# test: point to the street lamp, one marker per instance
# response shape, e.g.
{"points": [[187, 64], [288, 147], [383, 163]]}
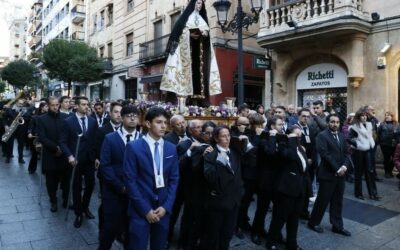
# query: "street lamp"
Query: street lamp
{"points": [[240, 20]]}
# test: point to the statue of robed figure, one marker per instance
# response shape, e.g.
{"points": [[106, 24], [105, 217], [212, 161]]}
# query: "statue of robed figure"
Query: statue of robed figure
{"points": [[191, 68]]}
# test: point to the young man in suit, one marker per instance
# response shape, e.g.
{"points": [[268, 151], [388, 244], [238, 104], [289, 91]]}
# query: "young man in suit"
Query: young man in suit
{"points": [[114, 199], [100, 115], [332, 148], [151, 179], [74, 125]]}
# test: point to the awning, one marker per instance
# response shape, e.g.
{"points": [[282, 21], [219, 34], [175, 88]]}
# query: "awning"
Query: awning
{"points": [[150, 79]]}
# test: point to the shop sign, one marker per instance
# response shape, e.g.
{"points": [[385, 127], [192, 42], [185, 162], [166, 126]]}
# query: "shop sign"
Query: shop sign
{"points": [[135, 72], [322, 76], [260, 62]]}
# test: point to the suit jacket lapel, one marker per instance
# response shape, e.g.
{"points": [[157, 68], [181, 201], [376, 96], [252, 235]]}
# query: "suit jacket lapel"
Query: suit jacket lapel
{"points": [[147, 151], [78, 124]]}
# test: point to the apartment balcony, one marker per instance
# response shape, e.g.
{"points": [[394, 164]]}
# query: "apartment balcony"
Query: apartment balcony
{"points": [[108, 66], [38, 25], [78, 13], [153, 50], [34, 41], [78, 35], [297, 21]]}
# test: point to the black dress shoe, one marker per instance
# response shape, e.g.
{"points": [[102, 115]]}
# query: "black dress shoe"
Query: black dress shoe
{"points": [[375, 197], [78, 221], [272, 247], [361, 197], [53, 207], [317, 229], [305, 217], [21, 161], [256, 239], [88, 214], [341, 231]]}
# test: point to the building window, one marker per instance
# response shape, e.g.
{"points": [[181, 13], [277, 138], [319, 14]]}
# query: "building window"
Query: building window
{"points": [[273, 3], [101, 26], [67, 9], [109, 50], [101, 52], [110, 14], [66, 33], [174, 18], [94, 23], [129, 6], [131, 89], [129, 44], [16, 46]]}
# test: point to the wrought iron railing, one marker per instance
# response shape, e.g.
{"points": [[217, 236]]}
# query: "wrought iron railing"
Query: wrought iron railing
{"points": [[154, 49]]}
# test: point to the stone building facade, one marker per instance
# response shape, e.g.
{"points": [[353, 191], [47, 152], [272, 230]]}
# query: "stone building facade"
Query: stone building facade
{"points": [[345, 53]]}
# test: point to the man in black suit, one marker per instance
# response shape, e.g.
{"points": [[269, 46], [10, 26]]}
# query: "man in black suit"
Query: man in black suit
{"points": [[74, 125], [308, 134], [110, 126], [332, 148], [54, 165], [100, 115], [177, 135]]}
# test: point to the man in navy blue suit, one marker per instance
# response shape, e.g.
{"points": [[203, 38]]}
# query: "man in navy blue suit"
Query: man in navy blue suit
{"points": [[152, 174], [80, 123], [114, 199]]}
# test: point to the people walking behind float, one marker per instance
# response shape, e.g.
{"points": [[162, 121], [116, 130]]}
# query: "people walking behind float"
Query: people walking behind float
{"points": [[54, 164], [32, 136], [360, 137], [222, 172], [151, 178], [291, 190], [268, 168], [331, 146], [114, 197], [80, 124], [387, 139]]}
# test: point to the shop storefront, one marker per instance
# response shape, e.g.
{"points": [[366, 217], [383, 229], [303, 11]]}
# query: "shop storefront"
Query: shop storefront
{"points": [[326, 82]]}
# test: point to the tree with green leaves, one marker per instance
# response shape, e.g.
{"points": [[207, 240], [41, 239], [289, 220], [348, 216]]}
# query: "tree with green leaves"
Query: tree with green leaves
{"points": [[20, 74], [72, 61], [2, 86]]}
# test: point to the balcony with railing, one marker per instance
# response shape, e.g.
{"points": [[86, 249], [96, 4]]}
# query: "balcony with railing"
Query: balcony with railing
{"points": [[78, 13], [293, 19], [153, 50], [78, 35]]}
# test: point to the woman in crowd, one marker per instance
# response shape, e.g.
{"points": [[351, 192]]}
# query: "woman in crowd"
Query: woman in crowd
{"points": [[32, 135], [222, 173], [387, 139], [345, 131], [360, 137]]}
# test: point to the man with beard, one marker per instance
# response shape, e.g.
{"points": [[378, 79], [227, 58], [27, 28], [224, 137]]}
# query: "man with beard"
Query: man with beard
{"points": [[331, 146], [54, 165], [100, 114]]}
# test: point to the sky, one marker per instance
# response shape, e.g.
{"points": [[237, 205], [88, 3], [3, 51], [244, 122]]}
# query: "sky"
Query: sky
{"points": [[10, 9]]}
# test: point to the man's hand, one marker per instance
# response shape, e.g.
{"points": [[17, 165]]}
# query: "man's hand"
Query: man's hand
{"points": [[259, 131], [58, 152], [309, 161], [195, 144], [292, 135], [96, 164], [152, 217], [273, 132], [30, 136], [160, 212], [72, 161], [6, 127], [208, 150], [204, 33], [243, 138]]}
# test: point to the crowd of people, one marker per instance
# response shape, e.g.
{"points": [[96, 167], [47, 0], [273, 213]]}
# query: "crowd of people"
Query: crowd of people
{"points": [[152, 168]]}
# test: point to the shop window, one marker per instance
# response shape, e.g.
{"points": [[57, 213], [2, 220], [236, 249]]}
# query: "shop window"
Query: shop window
{"points": [[129, 44], [131, 89]]}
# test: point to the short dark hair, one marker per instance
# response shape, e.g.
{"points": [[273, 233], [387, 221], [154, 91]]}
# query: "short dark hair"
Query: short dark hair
{"points": [[243, 107], [272, 121], [328, 118], [80, 98], [114, 104], [292, 128], [280, 107], [154, 112], [303, 110], [99, 104], [129, 109], [318, 102], [62, 98], [217, 130], [256, 119], [207, 124]]}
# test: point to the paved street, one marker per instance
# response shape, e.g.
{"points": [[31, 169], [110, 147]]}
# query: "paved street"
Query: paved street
{"points": [[26, 225]]}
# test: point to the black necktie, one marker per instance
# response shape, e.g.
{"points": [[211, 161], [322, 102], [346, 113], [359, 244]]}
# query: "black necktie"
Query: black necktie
{"points": [[337, 139], [83, 124], [128, 137], [100, 121], [305, 130]]}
